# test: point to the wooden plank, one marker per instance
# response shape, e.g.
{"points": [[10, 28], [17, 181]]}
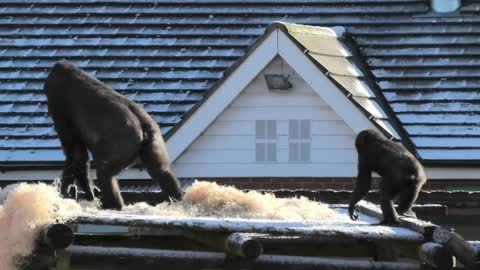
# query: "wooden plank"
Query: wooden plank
{"points": [[312, 229], [423, 227], [279, 113], [265, 170], [247, 127], [247, 142], [240, 156], [302, 97]]}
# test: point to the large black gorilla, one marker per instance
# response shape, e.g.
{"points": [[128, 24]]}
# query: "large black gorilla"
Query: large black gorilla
{"points": [[402, 175], [90, 116]]}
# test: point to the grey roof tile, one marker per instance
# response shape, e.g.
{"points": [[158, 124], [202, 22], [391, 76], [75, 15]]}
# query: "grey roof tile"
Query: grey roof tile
{"points": [[165, 54]]}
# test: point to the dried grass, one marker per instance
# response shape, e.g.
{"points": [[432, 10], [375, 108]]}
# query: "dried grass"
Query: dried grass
{"points": [[212, 200], [26, 208]]}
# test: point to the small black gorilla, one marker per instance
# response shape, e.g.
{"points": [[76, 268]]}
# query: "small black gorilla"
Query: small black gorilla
{"points": [[90, 116], [402, 175]]}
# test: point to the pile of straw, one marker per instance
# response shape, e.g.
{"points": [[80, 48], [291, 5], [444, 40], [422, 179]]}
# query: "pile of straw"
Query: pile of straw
{"points": [[26, 208]]}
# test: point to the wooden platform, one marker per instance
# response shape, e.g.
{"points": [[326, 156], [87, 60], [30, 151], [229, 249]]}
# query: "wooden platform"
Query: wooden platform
{"points": [[123, 240]]}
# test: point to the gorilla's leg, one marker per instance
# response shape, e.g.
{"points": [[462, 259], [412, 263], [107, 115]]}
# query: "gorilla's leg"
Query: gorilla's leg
{"points": [[68, 178], [111, 156], [155, 158], [78, 169], [406, 199], [76, 157], [111, 197], [386, 204], [83, 179]]}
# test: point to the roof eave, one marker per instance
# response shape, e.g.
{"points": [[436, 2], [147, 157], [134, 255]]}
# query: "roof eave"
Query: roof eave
{"points": [[465, 163]]}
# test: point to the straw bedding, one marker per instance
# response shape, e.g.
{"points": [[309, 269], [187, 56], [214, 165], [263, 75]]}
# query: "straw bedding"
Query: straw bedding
{"points": [[26, 208]]}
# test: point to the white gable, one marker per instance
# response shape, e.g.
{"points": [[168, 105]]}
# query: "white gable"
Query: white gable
{"points": [[227, 148], [275, 43]]}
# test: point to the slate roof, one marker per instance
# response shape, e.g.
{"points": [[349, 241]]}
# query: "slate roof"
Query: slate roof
{"points": [[165, 54]]}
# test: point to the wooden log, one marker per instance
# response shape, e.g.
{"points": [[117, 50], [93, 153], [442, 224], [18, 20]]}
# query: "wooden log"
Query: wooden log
{"points": [[436, 256], [465, 252], [56, 236], [235, 244], [299, 245], [272, 244], [108, 258], [476, 245], [243, 245], [423, 227]]}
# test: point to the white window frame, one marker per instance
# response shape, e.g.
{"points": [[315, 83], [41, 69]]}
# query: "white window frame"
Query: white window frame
{"points": [[301, 142], [266, 141]]}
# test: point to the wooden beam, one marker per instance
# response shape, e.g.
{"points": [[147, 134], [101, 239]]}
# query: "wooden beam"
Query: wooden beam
{"points": [[465, 252], [108, 258], [423, 227]]}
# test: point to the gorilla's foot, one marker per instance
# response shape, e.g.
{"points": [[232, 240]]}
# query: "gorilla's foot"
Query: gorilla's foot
{"points": [[389, 222], [111, 204], [71, 192], [408, 213]]}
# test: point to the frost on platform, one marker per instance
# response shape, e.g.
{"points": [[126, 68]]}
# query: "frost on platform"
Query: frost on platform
{"points": [[337, 225]]}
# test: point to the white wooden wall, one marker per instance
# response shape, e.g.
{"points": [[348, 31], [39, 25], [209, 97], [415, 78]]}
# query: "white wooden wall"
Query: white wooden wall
{"points": [[227, 147]]}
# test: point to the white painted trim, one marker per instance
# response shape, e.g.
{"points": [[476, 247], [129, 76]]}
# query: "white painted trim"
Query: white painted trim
{"points": [[437, 174], [317, 80], [453, 173], [223, 96]]}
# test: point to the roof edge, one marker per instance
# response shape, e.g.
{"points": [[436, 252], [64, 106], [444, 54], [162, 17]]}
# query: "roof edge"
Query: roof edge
{"points": [[359, 60], [226, 74]]}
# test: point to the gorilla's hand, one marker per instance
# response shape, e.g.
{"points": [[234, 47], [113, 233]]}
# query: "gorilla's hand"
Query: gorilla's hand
{"points": [[352, 214]]}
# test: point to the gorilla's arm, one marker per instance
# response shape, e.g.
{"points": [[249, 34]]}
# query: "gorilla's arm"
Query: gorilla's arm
{"points": [[364, 182]]}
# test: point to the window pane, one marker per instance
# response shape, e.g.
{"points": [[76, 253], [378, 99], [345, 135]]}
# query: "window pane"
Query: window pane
{"points": [[260, 152], [260, 129], [305, 129], [293, 149], [271, 152], [293, 129], [305, 152], [271, 129]]}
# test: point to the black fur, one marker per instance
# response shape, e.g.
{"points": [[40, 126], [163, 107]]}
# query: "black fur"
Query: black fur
{"points": [[91, 117], [402, 175]]}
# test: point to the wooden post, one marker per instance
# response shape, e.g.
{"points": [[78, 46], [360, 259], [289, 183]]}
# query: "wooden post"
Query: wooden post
{"points": [[56, 236], [465, 252]]}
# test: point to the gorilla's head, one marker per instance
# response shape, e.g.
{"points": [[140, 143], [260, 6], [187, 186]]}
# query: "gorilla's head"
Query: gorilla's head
{"points": [[366, 138]]}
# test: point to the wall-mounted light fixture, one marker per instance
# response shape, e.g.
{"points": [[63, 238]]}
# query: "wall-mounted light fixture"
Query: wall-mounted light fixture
{"points": [[278, 82]]}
